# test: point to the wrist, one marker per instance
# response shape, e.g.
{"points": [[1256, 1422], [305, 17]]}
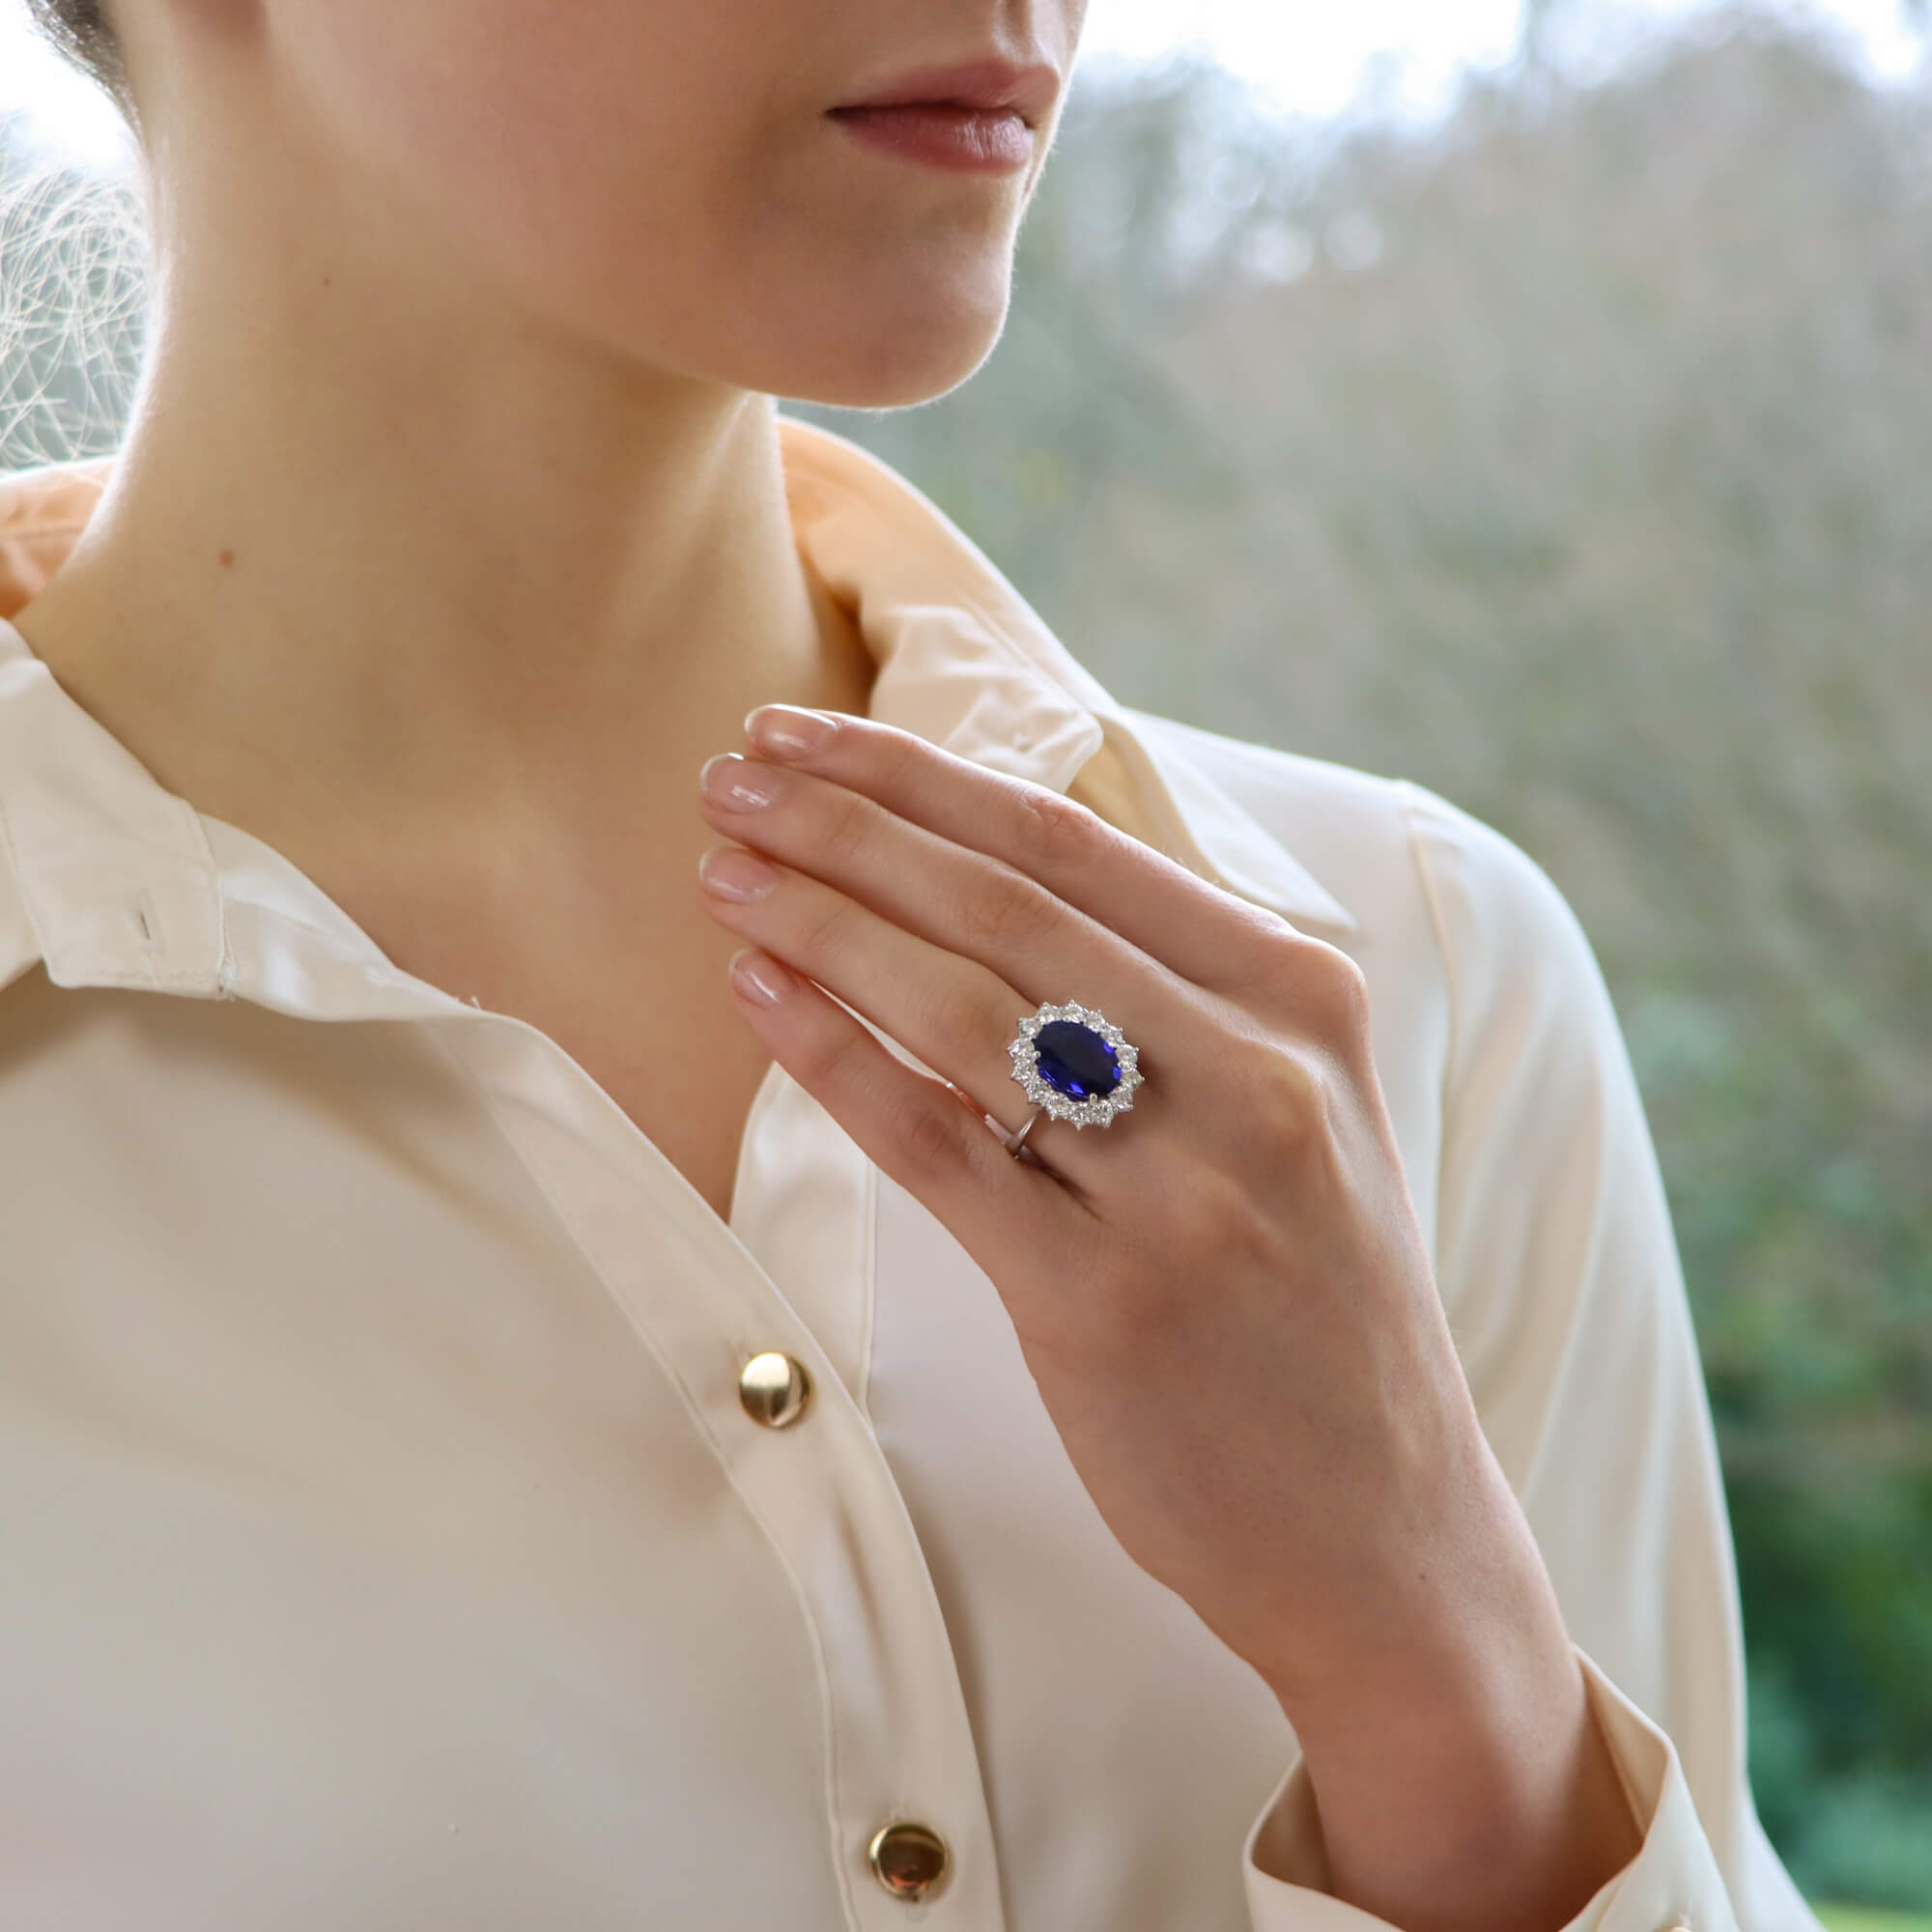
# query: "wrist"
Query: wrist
{"points": [[1451, 1739], [1478, 1791], [1450, 1603]]}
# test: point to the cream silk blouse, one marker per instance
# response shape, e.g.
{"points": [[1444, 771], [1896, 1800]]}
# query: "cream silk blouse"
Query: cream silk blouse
{"points": [[395, 1537]]}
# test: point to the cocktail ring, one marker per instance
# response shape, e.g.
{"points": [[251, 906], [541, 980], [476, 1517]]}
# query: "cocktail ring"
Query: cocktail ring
{"points": [[1075, 1066]]}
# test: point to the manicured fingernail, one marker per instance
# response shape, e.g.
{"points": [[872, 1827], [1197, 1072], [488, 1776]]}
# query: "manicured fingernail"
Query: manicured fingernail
{"points": [[760, 976], [787, 728], [731, 781], [732, 874]]}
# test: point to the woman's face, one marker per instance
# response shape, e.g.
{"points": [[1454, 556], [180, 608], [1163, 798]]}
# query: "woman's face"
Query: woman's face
{"points": [[663, 177]]}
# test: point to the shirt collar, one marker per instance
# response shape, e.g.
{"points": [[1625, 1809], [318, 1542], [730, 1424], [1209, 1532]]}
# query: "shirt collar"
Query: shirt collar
{"points": [[966, 663], [117, 883]]}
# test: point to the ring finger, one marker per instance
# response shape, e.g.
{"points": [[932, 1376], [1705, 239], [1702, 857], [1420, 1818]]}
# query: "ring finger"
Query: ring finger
{"points": [[954, 1015]]}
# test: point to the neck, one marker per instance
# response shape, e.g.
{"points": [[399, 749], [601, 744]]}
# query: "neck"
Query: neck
{"points": [[484, 587]]}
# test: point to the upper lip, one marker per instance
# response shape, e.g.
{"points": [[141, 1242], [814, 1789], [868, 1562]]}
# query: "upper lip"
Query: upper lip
{"points": [[987, 85]]}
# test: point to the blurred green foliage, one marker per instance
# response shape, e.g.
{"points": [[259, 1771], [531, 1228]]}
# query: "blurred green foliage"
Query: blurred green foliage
{"points": [[1837, 1917], [1576, 459]]}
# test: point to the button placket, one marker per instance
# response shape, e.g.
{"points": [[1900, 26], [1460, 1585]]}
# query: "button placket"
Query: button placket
{"points": [[827, 1499]]}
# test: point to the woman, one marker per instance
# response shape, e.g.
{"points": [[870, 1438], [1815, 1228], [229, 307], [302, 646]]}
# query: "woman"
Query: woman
{"points": [[506, 1422]]}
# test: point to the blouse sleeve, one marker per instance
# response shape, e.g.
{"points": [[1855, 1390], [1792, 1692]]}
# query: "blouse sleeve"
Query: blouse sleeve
{"points": [[1558, 1271]]}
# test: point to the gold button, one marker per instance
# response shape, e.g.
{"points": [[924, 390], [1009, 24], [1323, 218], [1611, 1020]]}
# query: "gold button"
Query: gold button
{"points": [[907, 1859], [774, 1389]]}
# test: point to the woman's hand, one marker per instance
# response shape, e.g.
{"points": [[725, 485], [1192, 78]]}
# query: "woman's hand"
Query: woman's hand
{"points": [[1224, 1296]]}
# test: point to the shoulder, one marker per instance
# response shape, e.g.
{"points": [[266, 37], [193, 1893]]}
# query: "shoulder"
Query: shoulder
{"points": [[42, 510], [1412, 866]]}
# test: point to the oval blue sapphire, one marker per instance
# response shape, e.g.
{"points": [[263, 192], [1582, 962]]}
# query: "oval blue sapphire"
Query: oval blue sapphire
{"points": [[1076, 1061]]}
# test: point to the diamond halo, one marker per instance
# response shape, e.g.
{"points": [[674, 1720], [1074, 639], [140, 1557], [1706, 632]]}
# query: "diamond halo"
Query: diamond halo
{"points": [[1025, 1056]]}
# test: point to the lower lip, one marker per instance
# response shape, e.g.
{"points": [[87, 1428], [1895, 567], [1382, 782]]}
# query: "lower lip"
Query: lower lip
{"points": [[968, 140]]}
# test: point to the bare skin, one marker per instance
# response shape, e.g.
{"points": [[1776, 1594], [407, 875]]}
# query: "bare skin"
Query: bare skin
{"points": [[449, 537], [560, 925]]}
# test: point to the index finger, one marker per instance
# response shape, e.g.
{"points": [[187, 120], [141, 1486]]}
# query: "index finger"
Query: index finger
{"points": [[1190, 925]]}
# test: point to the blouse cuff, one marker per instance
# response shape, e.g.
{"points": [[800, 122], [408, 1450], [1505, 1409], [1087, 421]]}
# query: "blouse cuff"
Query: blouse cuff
{"points": [[1673, 1882]]}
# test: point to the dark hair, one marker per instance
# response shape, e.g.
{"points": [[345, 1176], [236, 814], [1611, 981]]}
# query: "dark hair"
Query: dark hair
{"points": [[84, 31]]}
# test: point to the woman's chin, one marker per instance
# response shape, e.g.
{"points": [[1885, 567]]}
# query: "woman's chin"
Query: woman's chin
{"points": [[892, 383], [874, 342], [886, 363]]}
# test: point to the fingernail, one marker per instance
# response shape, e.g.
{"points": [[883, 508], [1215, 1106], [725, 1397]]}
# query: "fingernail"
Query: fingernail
{"points": [[729, 779], [732, 874], [787, 728], [760, 976]]}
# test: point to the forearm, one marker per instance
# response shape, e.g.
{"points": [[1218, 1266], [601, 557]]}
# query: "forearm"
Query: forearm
{"points": [[1461, 1776]]}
